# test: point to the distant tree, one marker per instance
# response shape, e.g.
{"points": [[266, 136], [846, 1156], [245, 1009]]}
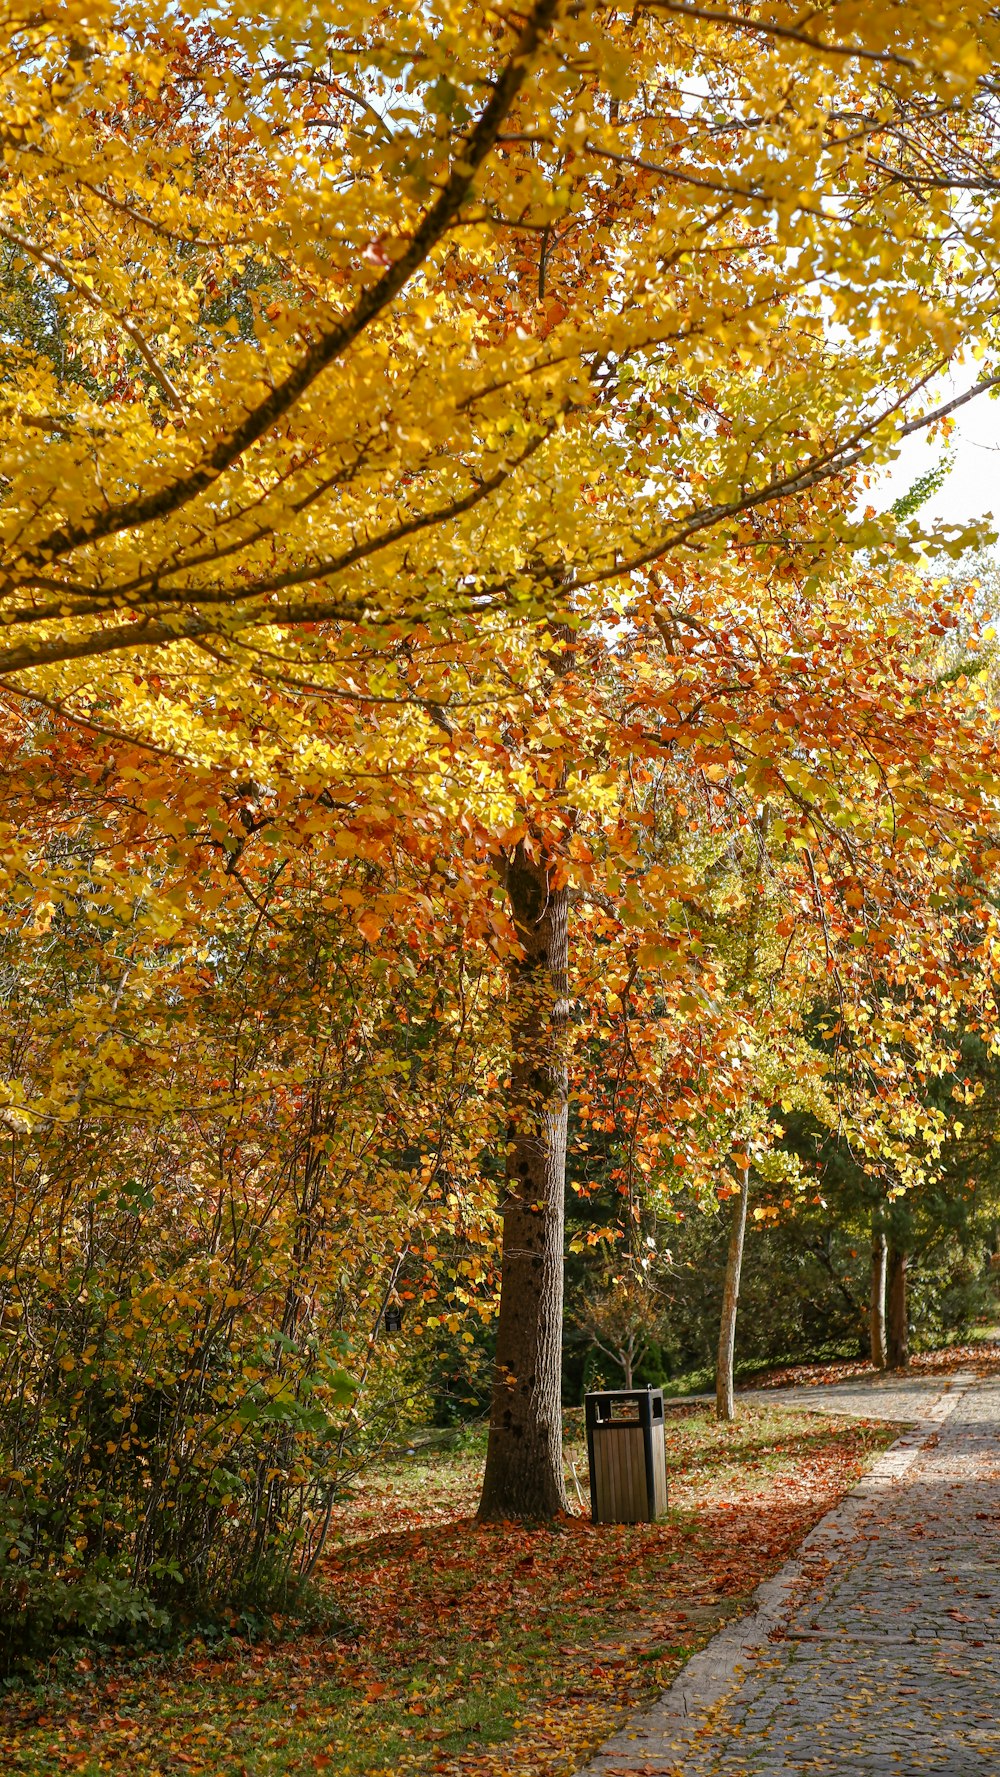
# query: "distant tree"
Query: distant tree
{"points": [[620, 1317]]}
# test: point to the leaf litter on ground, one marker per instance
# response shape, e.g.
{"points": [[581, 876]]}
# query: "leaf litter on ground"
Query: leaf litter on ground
{"points": [[465, 1650], [982, 1357]]}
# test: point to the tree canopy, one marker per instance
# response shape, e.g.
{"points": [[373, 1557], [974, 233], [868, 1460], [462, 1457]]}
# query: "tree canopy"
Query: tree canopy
{"points": [[401, 315]]}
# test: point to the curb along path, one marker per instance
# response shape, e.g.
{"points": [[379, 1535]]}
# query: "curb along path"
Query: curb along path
{"points": [[877, 1650]]}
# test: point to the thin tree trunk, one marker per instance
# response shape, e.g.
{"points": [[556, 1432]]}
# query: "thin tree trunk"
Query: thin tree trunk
{"points": [[877, 1314], [524, 1466], [724, 1405], [897, 1327]]}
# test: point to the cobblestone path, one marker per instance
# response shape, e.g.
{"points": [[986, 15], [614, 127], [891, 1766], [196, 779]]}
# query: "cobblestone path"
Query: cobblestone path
{"points": [[878, 1652]]}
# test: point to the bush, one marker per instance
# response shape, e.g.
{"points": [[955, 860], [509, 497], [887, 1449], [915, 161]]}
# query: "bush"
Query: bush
{"points": [[166, 1448], [40, 1606]]}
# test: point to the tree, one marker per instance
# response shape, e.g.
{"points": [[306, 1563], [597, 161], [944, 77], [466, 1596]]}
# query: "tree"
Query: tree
{"points": [[730, 1297], [230, 1130], [714, 938], [524, 1471], [877, 1318], [414, 378], [897, 1342], [619, 1317]]}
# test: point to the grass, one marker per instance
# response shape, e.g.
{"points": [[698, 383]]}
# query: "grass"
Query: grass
{"points": [[473, 1651]]}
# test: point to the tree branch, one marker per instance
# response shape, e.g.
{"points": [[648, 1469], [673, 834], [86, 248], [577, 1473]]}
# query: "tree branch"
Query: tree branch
{"points": [[329, 345], [771, 29], [61, 270], [783, 487]]}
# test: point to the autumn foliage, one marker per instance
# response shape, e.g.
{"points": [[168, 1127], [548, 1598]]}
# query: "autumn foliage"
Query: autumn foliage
{"points": [[435, 454]]}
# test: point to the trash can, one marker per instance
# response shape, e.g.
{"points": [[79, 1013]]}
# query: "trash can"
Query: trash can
{"points": [[627, 1456]]}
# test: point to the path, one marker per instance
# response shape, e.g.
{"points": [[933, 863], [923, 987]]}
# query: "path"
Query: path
{"points": [[878, 1650]]}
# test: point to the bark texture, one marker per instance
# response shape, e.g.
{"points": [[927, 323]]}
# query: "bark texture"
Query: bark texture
{"points": [[877, 1310], [724, 1404], [524, 1465], [897, 1318]]}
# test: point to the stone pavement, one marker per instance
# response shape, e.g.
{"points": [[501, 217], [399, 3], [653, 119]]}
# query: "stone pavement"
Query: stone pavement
{"points": [[899, 1399], [877, 1650]]}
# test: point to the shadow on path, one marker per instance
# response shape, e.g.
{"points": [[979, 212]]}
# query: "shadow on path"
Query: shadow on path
{"points": [[877, 1650]]}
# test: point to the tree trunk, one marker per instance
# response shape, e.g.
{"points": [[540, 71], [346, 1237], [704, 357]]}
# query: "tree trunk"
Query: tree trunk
{"points": [[724, 1407], [897, 1331], [524, 1465], [877, 1315]]}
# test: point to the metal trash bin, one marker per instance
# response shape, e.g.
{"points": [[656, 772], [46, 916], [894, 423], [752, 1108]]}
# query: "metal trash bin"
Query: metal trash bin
{"points": [[627, 1455]]}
